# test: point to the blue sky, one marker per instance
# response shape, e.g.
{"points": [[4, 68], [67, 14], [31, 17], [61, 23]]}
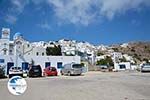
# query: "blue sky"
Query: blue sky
{"points": [[95, 21]]}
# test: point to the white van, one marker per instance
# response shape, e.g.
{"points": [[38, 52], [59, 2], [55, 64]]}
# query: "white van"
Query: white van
{"points": [[71, 69]]}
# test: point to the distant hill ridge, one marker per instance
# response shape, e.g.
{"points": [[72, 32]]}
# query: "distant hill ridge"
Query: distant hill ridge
{"points": [[139, 50]]}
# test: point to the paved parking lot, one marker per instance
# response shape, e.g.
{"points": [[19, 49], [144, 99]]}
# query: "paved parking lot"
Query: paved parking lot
{"points": [[91, 86]]}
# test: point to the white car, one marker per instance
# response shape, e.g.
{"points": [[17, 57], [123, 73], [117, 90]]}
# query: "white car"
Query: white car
{"points": [[145, 68], [15, 71]]}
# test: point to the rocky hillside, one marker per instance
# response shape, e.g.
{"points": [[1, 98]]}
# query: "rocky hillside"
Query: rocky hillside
{"points": [[139, 50]]}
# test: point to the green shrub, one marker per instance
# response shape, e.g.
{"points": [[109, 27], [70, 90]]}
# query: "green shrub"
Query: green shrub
{"points": [[107, 61]]}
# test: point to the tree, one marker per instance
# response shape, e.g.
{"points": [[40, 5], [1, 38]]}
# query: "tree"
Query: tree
{"points": [[110, 61], [146, 60], [115, 49], [82, 64], [99, 54], [133, 50], [123, 59], [54, 51], [137, 57], [101, 62], [107, 61]]}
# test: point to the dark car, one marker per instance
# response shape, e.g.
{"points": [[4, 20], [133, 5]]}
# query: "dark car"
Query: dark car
{"points": [[35, 71], [50, 71]]}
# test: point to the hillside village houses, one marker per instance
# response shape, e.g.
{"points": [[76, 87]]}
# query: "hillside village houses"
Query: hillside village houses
{"points": [[88, 51], [84, 49], [72, 51]]}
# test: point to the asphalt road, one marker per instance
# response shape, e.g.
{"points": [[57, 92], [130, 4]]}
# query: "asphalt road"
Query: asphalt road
{"points": [[91, 86]]}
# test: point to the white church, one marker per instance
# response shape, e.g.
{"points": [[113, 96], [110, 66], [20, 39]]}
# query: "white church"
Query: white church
{"points": [[19, 52]]}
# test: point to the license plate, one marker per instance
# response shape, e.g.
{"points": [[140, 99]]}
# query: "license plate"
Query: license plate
{"points": [[36, 70]]}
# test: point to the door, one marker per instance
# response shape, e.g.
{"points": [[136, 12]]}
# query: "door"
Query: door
{"points": [[47, 64], [25, 66], [59, 65], [9, 65], [122, 66]]}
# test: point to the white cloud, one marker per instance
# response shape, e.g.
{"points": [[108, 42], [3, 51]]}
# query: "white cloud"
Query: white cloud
{"points": [[17, 7], [75, 11], [82, 11], [44, 25], [37, 1], [11, 19], [110, 8], [135, 22]]}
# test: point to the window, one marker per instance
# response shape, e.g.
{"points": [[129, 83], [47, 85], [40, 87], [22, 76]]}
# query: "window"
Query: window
{"points": [[28, 45], [59, 65], [28, 53], [5, 52], [122, 66], [9, 65], [77, 66], [10, 51], [43, 54], [2, 60], [5, 44], [37, 53], [47, 64]]}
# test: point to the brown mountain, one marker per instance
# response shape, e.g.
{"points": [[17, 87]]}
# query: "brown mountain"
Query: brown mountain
{"points": [[139, 50]]}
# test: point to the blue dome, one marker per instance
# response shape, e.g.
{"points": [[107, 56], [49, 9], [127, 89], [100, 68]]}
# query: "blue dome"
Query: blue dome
{"points": [[17, 35]]}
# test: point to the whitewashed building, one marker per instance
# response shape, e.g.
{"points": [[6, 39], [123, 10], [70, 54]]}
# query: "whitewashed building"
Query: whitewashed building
{"points": [[21, 53], [122, 66]]}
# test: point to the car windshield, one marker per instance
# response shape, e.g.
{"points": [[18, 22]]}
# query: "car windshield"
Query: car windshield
{"points": [[77, 66], [35, 66], [16, 68], [146, 66], [19, 68], [53, 69]]}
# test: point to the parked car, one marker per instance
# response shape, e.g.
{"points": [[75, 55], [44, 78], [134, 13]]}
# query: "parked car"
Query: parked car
{"points": [[15, 71], [50, 71], [71, 69], [104, 68], [145, 68], [35, 71], [25, 73]]}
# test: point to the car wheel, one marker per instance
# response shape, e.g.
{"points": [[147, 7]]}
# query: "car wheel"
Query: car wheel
{"points": [[61, 73], [10, 76], [45, 74], [69, 73], [21, 75], [79, 74], [30, 76]]}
